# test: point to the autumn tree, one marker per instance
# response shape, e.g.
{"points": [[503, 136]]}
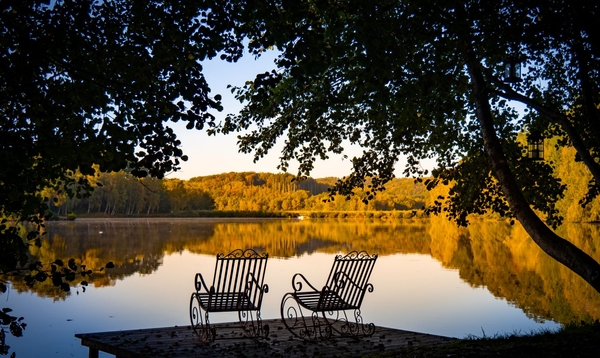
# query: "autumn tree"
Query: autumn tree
{"points": [[424, 79]]}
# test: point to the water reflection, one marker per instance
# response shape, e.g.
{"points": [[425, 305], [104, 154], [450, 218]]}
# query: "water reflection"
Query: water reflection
{"points": [[431, 276], [493, 255]]}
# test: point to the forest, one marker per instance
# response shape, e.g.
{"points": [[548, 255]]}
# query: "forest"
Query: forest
{"points": [[122, 194]]}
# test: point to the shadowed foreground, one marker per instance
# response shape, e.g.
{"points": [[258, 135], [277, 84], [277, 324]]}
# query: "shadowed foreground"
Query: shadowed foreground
{"points": [[581, 340], [177, 341]]}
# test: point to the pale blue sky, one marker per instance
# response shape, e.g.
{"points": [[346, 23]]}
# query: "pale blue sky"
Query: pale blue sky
{"points": [[219, 154]]}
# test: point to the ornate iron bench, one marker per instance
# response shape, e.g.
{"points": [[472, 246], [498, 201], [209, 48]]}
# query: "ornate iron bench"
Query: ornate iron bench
{"points": [[238, 286], [345, 289]]}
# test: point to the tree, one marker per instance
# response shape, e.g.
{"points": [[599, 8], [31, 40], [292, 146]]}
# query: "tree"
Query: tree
{"points": [[93, 82], [86, 82], [424, 79]]}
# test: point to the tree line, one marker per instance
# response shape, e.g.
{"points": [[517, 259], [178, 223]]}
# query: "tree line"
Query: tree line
{"points": [[120, 193]]}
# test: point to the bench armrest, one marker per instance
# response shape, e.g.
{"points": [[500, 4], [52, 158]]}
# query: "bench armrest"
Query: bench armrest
{"points": [[200, 284], [297, 283], [252, 281], [252, 285], [342, 279]]}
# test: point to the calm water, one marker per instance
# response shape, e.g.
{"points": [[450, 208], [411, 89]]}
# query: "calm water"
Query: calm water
{"points": [[430, 277]]}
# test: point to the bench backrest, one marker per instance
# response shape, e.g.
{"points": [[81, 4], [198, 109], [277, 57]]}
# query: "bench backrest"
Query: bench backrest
{"points": [[349, 276], [241, 271]]}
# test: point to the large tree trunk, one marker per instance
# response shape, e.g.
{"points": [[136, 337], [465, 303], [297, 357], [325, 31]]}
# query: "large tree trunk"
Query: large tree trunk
{"points": [[558, 248]]}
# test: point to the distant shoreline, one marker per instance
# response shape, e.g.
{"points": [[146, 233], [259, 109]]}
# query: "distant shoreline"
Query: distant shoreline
{"points": [[170, 219], [238, 215]]}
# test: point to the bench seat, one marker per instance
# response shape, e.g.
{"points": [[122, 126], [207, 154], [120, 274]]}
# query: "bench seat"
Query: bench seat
{"points": [[226, 302], [322, 301]]}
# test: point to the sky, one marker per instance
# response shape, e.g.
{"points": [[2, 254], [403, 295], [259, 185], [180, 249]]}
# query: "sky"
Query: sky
{"points": [[218, 154]]}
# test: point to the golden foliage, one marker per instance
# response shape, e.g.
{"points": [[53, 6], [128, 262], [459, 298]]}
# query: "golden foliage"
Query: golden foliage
{"points": [[494, 255]]}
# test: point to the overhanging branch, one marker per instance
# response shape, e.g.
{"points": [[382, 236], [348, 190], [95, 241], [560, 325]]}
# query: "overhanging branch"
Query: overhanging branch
{"points": [[559, 118]]}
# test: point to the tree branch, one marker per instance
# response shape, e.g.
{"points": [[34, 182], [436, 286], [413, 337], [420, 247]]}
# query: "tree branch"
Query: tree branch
{"points": [[558, 248], [559, 118]]}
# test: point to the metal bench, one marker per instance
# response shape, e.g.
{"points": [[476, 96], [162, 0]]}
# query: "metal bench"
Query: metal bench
{"points": [[238, 286], [345, 289]]}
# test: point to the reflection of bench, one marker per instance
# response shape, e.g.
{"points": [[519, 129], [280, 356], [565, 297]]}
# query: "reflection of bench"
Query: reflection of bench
{"points": [[345, 289], [237, 287]]}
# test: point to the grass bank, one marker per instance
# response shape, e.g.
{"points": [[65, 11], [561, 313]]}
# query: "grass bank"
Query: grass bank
{"points": [[572, 341]]}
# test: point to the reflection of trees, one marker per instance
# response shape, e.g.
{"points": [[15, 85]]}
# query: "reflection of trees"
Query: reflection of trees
{"points": [[134, 246], [282, 238], [506, 261], [492, 254]]}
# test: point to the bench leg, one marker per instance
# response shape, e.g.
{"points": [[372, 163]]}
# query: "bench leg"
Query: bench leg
{"points": [[321, 325], [342, 325], [310, 327], [252, 323], [199, 320]]}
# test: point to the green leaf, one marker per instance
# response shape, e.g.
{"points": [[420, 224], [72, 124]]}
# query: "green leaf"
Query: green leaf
{"points": [[57, 279], [41, 276], [72, 264], [16, 329]]}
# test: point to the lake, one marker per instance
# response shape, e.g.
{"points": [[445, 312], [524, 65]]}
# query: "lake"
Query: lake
{"points": [[430, 277]]}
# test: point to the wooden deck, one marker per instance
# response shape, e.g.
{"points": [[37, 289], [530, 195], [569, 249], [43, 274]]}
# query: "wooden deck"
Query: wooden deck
{"points": [[181, 342]]}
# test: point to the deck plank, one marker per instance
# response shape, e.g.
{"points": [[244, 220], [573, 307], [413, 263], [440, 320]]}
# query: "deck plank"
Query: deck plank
{"points": [[180, 341]]}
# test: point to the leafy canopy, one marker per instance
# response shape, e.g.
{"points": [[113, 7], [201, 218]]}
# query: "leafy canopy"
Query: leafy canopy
{"points": [[391, 76], [96, 82]]}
